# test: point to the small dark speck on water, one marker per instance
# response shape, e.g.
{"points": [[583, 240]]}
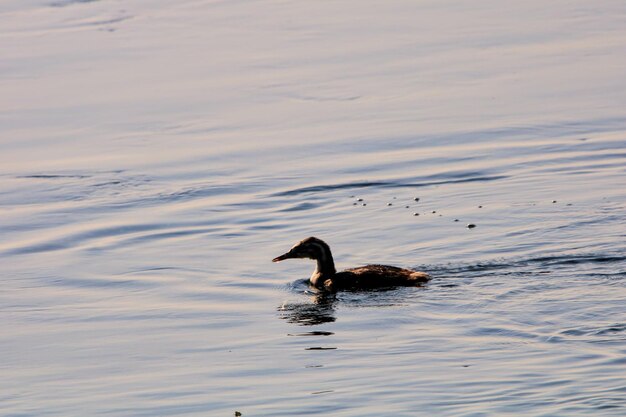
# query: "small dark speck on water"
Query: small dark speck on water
{"points": [[359, 199], [553, 201], [354, 204], [480, 206], [416, 199], [568, 204], [364, 204], [406, 206], [322, 392], [314, 333], [389, 204], [471, 226], [416, 214], [434, 212], [351, 196], [456, 220], [237, 414]]}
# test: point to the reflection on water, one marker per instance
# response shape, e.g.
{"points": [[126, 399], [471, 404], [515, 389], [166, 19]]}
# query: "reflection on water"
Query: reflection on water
{"points": [[319, 310], [320, 306]]}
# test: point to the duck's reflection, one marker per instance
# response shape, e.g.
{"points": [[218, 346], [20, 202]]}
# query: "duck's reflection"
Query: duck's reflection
{"points": [[318, 310], [319, 307]]}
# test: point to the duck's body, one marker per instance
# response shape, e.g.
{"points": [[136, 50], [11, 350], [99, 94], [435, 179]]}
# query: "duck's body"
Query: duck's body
{"points": [[326, 276]]}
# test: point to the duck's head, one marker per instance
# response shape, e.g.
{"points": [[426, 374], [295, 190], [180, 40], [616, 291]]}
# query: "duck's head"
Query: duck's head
{"points": [[310, 248]]}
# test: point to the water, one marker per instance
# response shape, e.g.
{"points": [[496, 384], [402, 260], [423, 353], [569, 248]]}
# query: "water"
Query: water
{"points": [[155, 156]]}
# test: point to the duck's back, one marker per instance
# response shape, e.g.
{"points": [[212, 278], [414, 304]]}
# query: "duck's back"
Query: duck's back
{"points": [[378, 276]]}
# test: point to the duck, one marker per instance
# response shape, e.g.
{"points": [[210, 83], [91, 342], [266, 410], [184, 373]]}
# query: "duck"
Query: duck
{"points": [[326, 277]]}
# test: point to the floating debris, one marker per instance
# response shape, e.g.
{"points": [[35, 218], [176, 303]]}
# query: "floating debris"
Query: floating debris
{"points": [[416, 199], [354, 204], [416, 214], [456, 220], [471, 226], [480, 206], [364, 204], [553, 201], [389, 204], [237, 414], [406, 206], [568, 204], [359, 199], [434, 212]]}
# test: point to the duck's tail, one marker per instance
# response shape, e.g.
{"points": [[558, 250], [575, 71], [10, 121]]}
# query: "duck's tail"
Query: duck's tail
{"points": [[419, 277]]}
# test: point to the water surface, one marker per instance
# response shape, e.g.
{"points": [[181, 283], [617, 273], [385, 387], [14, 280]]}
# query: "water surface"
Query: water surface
{"points": [[155, 156]]}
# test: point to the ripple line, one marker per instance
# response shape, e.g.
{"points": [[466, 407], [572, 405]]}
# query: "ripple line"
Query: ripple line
{"points": [[383, 184]]}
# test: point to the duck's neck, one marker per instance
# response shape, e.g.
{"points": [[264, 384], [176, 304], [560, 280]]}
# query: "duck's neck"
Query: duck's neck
{"points": [[325, 268]]}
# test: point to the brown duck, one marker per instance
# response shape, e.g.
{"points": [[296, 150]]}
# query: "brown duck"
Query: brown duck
{"points": [[326, 276]]}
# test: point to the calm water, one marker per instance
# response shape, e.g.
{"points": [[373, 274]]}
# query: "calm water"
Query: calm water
{"points": [[155, 156]]}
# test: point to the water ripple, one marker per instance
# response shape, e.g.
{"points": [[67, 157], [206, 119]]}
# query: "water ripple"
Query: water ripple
{"points": [[383, 184]]}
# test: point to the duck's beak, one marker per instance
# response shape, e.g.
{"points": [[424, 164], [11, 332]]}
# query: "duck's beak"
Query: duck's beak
{"points": [[283, 257]]}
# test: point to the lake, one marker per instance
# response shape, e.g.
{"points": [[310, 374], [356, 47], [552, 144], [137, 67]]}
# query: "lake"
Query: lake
{"points": [[155, 156]]}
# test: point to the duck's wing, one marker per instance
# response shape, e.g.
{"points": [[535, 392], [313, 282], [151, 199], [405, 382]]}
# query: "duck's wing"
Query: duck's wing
{"points": [[376, 276]]}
